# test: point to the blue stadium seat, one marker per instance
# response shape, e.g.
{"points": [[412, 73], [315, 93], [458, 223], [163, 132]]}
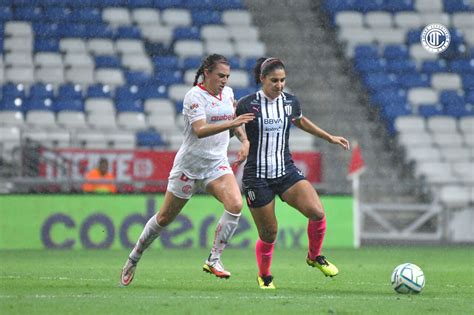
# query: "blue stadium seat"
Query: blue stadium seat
{"points": [[183, 32], [141, 4], [166, 77], [69, 105], [452, 6], [451, 97], [69, 91], [132, 32], [154, 91], [414, 80], [468, 81], [11, 90], [40, 104], [86, 15], [81, 4], [52, 3], [45, 30], [370, 65], [73, 30], [206, 17], [149, 139], [28, 13], [365, 51], [129, 106], [14, 104], [378, 80], [389, 96], [167, 4], [178, 106], [399, 5], [192, 63], [469, 97], [241, 92], [227, 5], [413, 36], [459, 110], [433, 66], [46, 44], [197, 5], [56, 14], [333, 6], [399, 66], [137, 78], [99, 90], [113, 3], [250, 63], [107, 62], [6, 14], [41, 91], [100, 30], [127, 93], [396, 52], [429, 110], [166, 62], [234, 62], [462, 66]]}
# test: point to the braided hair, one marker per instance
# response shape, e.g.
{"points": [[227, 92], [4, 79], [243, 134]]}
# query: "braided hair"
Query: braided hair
{"points": [[266, 65], [209, 63]]}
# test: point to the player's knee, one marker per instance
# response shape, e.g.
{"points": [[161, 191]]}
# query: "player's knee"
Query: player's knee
{"points": [[163, 220], [234, 207], [315, 214], [268, 235]]}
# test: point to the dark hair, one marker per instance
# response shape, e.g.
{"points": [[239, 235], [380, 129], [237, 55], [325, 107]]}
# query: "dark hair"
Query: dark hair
{"points": [[269, 65], [209, 63]]}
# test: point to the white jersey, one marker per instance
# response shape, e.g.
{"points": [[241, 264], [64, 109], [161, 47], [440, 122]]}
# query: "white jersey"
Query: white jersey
{"points": [[197, 158]]}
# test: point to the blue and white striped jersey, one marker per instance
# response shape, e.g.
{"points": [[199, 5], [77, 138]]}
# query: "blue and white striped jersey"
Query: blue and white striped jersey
{"points": [[269, 154]]}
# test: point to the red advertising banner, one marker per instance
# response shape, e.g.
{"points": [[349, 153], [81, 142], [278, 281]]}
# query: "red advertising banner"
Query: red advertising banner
{"points": [[139, 169]]}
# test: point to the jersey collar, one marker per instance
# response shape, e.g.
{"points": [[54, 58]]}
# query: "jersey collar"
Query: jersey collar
{"points": [[268, 98], [202, 87]]}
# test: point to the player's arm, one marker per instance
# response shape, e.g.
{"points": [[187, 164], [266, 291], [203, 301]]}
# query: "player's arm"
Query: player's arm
{"points": [[202, 129], [307, 125]]}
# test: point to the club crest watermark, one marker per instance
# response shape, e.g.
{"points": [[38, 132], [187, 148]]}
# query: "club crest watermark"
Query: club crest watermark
{"points": [[435, 38]]}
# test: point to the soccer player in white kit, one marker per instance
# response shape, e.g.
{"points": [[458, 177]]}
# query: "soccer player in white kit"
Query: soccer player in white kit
{"points": [[202, 161]]}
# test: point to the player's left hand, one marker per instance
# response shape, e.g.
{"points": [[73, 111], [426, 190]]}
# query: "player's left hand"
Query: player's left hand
{"points": [[341, 141]]}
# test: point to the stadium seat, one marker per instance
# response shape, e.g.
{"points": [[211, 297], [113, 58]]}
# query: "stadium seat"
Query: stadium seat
{"points": [[100, 105], [11, 118], [41, 119], [454, 196], [131, 121], [71, 119], [105, 121], [176, 17], [149, 139]]}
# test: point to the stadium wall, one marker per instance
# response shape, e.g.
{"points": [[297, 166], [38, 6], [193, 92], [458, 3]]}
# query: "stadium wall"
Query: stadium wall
{"points": [[73, 222]]}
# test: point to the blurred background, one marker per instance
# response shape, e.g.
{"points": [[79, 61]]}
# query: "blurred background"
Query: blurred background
{"points": [[85, 80]]}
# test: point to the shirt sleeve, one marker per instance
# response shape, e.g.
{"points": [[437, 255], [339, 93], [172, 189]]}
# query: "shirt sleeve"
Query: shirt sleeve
{"points": [[193, 108], [296, 109]]}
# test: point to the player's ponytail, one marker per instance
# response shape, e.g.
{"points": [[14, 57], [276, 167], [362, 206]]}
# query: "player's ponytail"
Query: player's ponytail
{"points": [[209, 63], [266, 65]]}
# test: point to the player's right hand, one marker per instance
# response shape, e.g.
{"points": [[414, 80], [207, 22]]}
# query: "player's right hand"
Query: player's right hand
{"points": [[242, 119]]}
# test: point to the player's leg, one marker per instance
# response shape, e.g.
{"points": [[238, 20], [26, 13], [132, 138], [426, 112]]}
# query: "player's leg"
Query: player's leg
{"points": [[226, 190], [305, 199], [267, 227], [179, 191]]}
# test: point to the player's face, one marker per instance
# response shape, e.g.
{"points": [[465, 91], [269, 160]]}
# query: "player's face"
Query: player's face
{"points": [[217, 79], [273, 83]]}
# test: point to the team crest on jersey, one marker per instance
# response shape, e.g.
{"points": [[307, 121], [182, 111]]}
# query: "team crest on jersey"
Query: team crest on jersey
{"points": [[288, 109], [194, 106]]}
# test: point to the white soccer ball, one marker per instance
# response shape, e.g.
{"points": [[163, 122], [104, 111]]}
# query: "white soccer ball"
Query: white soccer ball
{"points": [[408, 278]]}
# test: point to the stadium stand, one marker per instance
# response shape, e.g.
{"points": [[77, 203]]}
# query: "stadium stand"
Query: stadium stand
{"points": [[424, 99]]}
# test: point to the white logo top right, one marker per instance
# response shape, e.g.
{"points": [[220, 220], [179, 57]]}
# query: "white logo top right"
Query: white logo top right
{"points": [[435, 38]]}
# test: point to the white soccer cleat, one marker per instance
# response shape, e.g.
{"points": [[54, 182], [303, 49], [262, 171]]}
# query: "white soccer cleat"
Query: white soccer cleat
{"points": [[216, 268], [128, 271]]}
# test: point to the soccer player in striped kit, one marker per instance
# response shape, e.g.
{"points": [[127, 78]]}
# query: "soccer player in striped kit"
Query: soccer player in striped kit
{"points": [[270, 171], [201, 160]]}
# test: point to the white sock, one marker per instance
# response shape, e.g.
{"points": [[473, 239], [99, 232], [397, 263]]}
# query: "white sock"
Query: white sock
{"points": [[224, 231], [151, 231]]}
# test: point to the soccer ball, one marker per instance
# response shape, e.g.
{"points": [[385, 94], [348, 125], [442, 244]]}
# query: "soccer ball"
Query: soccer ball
{"points": [[408, 278]]}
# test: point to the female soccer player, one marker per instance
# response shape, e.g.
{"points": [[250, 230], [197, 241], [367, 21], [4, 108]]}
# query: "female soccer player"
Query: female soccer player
{"points": [[202, 161], [270, 171]]}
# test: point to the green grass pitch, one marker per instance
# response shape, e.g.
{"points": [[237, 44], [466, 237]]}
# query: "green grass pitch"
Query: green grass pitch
{"points": [[172, 282]]}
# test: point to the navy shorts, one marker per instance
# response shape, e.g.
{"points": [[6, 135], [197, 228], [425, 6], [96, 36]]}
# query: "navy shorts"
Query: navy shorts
{"points": [[261, 191]]}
